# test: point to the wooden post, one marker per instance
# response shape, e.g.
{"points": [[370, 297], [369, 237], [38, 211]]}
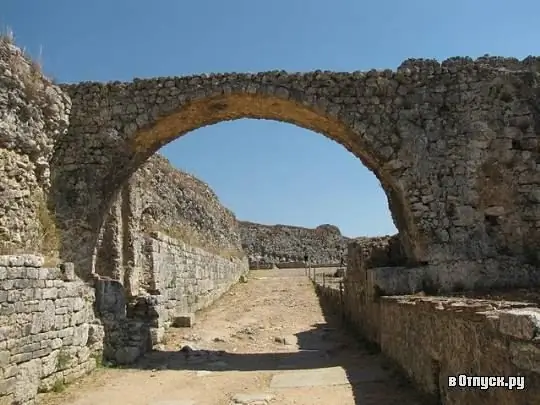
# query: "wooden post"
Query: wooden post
{"points": [[323, 279], [341, 299]]}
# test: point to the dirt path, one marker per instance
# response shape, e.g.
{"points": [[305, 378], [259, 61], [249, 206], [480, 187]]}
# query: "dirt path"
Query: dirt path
{"points": [[264, 342]]}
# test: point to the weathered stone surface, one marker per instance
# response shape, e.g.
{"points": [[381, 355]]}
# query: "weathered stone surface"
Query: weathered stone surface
{"points": [[180, 278], [283, 245], [453, 144], [183, 321], [33, 115], [520, 323], [318, 377], [367, 253], [253, 398], [170, 243], [431, 338], [168, 247], [44, 329], [160, 198]]}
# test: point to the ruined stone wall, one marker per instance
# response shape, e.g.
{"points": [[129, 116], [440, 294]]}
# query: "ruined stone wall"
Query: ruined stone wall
{"points": [[453, 143], [359, 290], [33, 115], [160, 198], [174, 279], [281, 245], [167, 248], [47, 328], [184, 279], [180, 205], [378, 251], [453, 336], [125, 338]]}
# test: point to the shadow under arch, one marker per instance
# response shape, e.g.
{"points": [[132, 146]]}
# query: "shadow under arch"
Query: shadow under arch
{"points": [[214, 109]]}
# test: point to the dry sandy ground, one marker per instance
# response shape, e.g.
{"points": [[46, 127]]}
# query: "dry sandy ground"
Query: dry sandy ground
{"points": [[265, 342]]}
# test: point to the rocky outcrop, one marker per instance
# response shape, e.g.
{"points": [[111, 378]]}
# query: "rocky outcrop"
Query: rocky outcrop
{"points": [[33, 115], [284, 245]]}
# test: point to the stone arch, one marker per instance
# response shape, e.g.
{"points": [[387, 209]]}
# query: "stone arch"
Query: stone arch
{"points": [[132, 121], [413, 128], [214, 109], [427, 130]]}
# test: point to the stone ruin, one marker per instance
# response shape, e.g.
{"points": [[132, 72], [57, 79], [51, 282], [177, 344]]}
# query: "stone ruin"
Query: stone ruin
{"points": [[454, 145], [430, 336], [284, 246], [90, 268]]}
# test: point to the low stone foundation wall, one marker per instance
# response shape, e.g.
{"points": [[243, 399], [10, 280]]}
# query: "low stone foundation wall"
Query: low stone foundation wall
{"points": [[47, 328], [482, 275], [432, 338], [380, 265]]}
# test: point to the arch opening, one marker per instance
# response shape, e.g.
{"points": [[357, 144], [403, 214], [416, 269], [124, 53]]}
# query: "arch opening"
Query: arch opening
{"points": [[205, 111]]}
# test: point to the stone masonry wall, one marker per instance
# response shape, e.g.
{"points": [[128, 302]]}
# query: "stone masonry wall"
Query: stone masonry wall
{"points": [[176, 203], [453, 336], [161, 198], [378, 267], [183, 279], [280, 245], [33, 115], [48, 333], [453, 143], [359, 292], [167, 248]]}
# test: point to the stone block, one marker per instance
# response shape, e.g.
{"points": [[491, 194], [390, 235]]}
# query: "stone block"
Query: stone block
{"points": [[526, 356], [127, 355], [156, 335], [68, 271], [520, 323], [183, 321]]}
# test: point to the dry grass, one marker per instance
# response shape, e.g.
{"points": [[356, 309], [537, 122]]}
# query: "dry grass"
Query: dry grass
{"points": [[193, 238], [27, 69], [49, 238], [44, 242]]}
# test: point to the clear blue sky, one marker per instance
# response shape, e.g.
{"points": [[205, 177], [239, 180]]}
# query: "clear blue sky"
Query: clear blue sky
{"points": [[267, 171]]}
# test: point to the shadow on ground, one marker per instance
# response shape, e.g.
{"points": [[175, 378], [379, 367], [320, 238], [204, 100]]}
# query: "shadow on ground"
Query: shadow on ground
{"points": [[329, 354]]}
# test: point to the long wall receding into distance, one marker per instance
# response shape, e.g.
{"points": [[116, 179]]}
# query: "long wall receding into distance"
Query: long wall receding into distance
{"points": [[171, 246], [159, 199], [433, 337]]}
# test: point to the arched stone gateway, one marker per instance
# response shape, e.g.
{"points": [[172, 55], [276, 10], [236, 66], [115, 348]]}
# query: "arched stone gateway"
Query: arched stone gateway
{"points": [[454, 145]]}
